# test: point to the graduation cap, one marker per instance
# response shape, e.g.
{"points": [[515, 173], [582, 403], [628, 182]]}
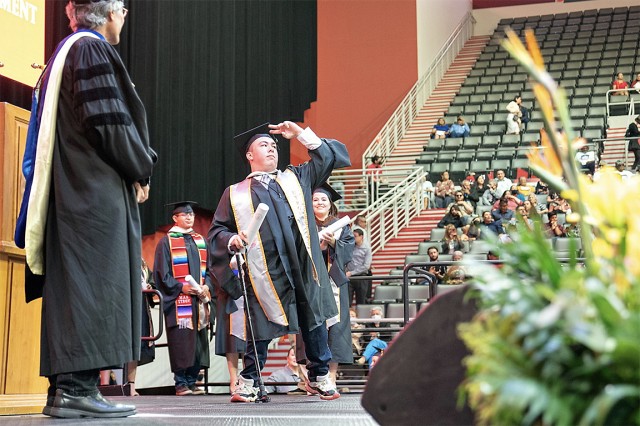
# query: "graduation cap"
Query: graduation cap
{"points": [[244, 140], [326, 189], [181, 207]]}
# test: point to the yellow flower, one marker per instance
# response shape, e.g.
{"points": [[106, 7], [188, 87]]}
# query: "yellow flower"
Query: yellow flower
{"points": [[602, 249]]}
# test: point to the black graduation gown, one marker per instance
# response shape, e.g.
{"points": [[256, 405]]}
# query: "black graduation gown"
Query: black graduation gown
{"points": [[186, 346], [340, 333], [305, 303], [91, 295]]}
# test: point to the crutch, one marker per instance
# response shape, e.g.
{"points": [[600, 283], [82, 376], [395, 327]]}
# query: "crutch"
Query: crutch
{"points": [[252, 231], [262, 393]]}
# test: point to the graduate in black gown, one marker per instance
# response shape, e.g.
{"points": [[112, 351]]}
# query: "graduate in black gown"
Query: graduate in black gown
{"points": [[188, 310], [288, 284], [79, 222], [336, 250]]}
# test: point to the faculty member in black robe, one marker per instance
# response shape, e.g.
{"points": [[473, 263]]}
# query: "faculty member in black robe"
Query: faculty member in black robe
{"points": [[288, 284], [83, 212], [187, 309]]}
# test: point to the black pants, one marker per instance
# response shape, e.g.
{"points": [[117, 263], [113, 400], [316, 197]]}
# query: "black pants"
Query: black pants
{"points": [[362, 290], [636, 160], [79, 383]]}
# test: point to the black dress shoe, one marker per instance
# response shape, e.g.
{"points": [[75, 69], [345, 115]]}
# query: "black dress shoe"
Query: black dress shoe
{"points": [[47, 408], [74, 407]]}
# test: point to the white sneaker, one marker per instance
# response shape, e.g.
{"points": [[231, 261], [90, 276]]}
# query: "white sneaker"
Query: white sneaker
{"points": [[244, 392], [324, 387]]}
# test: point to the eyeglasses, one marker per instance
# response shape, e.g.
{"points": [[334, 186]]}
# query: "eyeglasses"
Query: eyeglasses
{"points": [[186, 214]]}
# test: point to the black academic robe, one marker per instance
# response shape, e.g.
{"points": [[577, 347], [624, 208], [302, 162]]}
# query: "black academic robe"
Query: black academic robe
{"points": [[338, 257], [186, 346], [226, 343], [91, 314], [306, 303]]}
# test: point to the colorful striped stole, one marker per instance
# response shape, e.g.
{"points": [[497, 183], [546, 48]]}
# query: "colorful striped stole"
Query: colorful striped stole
{"points": [[180, 267]]}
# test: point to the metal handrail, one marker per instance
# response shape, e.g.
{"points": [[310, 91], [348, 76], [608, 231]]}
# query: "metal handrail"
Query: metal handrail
{"points": [[387, 139], [387, 213], [629, 101], [361, 190]]}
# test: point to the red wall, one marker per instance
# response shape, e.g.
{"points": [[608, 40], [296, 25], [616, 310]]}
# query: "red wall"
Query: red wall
{"points": [[367, 62]]}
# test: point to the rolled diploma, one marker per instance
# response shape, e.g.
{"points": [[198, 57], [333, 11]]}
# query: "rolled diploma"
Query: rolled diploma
{"points": [[256, 221], [339, 224]]}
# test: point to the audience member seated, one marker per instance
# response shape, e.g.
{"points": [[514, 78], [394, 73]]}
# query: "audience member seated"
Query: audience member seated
{"points": [[625, 174], [538, 208], [503, 213], [530, 208], [522, 217], [557, 204], [512, 201], [489, 224], [542, 188], [440, 129], [523, 187], [452, 242], [514, 191], [288, 373], [376, 314], [514, 116], [503, 183], [474, 231], [453, 217], [620, 85], [465, 207], [467, 196], [374, 350], [427, 194], [586, 159], [444, 191], [459, 129], [634, 144], [490, 196], [635, 84], [356, 338], [553, 228], [456, 274], [437, 270], [477, 190]]}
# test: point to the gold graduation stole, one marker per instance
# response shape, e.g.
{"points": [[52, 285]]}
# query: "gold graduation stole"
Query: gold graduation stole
{"points": [[266, 294]]}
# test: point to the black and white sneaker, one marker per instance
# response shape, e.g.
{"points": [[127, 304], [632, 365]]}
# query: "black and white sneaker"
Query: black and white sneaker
{"points": [[323, 386], [244, 392]]}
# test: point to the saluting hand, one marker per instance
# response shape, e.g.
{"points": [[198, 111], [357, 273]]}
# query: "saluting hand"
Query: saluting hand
{"points": [[288, 129]]}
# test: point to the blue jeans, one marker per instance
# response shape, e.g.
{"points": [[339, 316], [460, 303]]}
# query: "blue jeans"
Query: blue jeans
{"points": [[187, 377]]}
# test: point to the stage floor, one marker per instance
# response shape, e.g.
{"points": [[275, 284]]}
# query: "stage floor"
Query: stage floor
{"points": [[216, 409]]}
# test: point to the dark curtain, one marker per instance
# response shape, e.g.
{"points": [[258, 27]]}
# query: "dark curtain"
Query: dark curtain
{"points": [[207, 70]]}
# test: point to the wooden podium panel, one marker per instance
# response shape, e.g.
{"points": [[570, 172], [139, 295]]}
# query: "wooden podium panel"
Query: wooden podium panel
{"points": [[19, 321]]}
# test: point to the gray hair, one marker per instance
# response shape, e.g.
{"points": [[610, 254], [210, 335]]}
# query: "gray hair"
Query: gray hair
{"points": [[92, 14]]}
